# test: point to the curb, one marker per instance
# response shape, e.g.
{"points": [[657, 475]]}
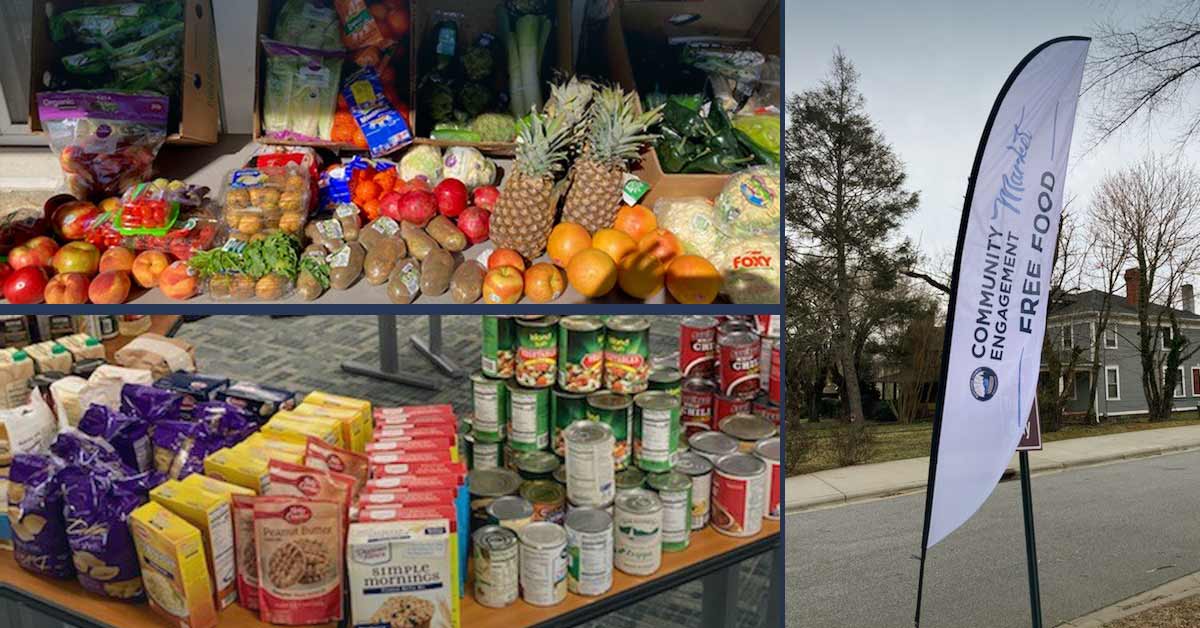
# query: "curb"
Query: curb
{"points": [[908, 488], [1172, 591]]}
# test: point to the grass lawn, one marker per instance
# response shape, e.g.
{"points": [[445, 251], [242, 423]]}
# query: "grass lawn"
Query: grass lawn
{"points": [[1184, 613], [899, 442]]}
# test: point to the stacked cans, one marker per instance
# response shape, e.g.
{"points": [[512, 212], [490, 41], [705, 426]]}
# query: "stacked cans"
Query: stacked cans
{"points": [[729, 365]]}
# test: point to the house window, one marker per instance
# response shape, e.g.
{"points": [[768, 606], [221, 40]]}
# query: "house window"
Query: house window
{"points": [[16, 19], [1068, 337], [1112, 383], [1110, 338], [1178, 391], [1165, 337], [1196, 381]]}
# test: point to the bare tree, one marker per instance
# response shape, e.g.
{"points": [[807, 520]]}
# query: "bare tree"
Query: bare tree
{"points": [[1154, 207], [1108, 253], [1059, 363], [916, 353], [1142, 71]]}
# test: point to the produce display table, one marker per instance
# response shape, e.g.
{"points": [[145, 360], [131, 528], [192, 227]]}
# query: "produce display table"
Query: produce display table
{"points": [[30, 600]]}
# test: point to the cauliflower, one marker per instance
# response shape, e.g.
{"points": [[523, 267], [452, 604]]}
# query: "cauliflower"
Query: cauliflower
{"points": [[422, 161], [469, 166]]}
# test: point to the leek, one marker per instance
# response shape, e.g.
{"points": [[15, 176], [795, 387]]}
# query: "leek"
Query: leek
{"points": [[525, 47]]}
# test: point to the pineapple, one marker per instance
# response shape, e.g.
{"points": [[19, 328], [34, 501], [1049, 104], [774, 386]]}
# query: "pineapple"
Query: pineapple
{"points": [[571, 99], [615, 131], [524, 213]]}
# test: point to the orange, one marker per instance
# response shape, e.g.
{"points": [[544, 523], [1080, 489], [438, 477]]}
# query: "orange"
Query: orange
{"points": [[544, 283], [635, 221], [693, 280], [617, 244], [592, 273], [565, 241], [662, 243], [641, 275]]}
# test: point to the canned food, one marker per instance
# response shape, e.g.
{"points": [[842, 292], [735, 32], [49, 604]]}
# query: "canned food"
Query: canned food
{"points": [[699, 469], [630, 478], [627, 354], [590, 463], [537, 351], [637, 519], [511, 511], [713, 445], [747, 430], [483, 454], [655, 430], [560, 475], [767, 346], [738, 497], [768, 451], [735, 325], [565, 409], [667, 379], [499, 340], [549, 500], [528, 417], [612, 409], [490, 399], [536, 465], [486, 485], [738, 365], [510, 457], [580, 353], [696, 405], [773, 380], [724, 406], [496, 571], [764, 409], [698, 346], [675, 492], [589, 551], [543, 563], [767, 324], [608, 508]]}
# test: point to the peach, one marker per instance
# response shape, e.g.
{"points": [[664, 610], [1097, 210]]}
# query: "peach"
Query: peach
{"points": [[178, 281], [544, 283], [117, 258], [147, 267], [67, 289], [503, 285], [110, 288]]}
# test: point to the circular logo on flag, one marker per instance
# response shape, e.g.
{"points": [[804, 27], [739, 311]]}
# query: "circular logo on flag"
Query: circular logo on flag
{"points": [[984, 383]]}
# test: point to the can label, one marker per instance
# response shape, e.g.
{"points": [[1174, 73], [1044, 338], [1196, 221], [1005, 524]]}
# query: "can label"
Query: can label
{"points": [[589, 561], [566, 409], [676, 519], [773, 379], [529, 419], [655, 437], [496, 576], [496, 358], [738, 504], [638, 542], [580, 359], [618, 420], [739, 365], [701, 498], [590, 477], [696, 409], [762, 408], [767, 324], [486, 455], [490, 400], [627, 361], [554, 512], [537, 356], [724, 406], [698, 350], [773, 479], [543, 574]]}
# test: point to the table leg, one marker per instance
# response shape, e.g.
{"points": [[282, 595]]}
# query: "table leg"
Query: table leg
{"points": [[389, 360], [721, 598], [775, 595], [432, 349]]}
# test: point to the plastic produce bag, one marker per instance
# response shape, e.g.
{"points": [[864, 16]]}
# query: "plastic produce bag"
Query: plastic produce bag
{"points": [[301, 91], [36, 514], [468, 165], [105, 141], [750, 269], [691, 220], [306, 23], [748, 206]]}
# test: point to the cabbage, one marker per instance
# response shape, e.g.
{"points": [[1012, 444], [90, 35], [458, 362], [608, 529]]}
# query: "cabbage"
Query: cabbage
{"points": [[422, 161], [469, 166]]}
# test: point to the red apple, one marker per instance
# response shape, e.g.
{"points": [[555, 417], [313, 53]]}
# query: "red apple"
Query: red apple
{"points": [[37, 251], [475, 222], [25, 285], [67, 289], [109, 288], [451, 197], [71, 220], [503, 286], [77, 257], [486, 196]]}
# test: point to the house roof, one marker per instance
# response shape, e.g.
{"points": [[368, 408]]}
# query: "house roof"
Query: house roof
{"points": [[1091, 300]]}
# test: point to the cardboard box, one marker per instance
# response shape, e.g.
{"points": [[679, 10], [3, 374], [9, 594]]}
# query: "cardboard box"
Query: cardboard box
{"points": [[174, 570], [211, 513], [238, 467], [200, 100]]}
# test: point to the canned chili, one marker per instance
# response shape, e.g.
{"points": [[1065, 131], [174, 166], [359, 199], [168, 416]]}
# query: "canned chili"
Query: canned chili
{"points": [[696, 397], [768, 451], [739, 499], [747, 430], [698, 346], [738, 365], [724, 406]]}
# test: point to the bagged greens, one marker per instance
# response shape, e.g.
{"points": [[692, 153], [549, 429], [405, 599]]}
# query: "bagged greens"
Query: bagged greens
{"points": [[301, 91]]}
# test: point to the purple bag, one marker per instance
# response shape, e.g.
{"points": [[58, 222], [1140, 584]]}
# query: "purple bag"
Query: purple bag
{"points": [[96, 507], [39, 533], [76, 448], [128, 434], [225, 420], [181, 446], [150, 403]]}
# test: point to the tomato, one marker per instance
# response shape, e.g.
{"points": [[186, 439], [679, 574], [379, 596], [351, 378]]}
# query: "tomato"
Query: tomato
{"points": [[25, 286]]}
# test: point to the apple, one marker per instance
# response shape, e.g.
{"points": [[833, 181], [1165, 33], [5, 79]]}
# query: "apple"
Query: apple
{"points": [[25, 285], [485, 196], [71, 220], [178, 281], [67, 289], [503, 285], [147, 267], [109, 288], [506, 257], [77, 257], [5, 271], [117, 258], [451, 197], [475, 223], [37, 251]]}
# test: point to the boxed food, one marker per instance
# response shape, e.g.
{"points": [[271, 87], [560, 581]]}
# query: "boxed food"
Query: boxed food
{"points": [[298, 543], [83, 347], [215, 486], [403, 573], [270, 449], [241, 468], [210, 513], [174, 568], [297, 428], [355, 429], [158, 354], [290, 449], [328, 400], [258, 400], [193, 387]]}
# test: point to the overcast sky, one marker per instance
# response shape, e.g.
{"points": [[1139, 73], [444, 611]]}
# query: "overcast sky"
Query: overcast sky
{"points": [[930, 71]]}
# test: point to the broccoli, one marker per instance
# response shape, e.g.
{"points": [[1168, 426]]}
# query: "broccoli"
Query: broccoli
{"points": [[475, 98]]}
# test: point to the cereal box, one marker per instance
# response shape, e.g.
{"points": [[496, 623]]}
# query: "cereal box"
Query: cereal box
{"points": [[298, 542], [403, 573], [210, 513], [244, 469], [297, 428], [213, 485], [174, 569], [356, 430]]}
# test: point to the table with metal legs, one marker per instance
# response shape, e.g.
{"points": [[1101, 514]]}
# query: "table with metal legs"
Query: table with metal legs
{"points": [[389, 357]]}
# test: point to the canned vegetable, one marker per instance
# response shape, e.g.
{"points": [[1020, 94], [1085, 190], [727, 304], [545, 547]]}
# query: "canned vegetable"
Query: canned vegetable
{"points": [[589, 551], [537, 352], [496, 571], [499, 340], [627, 354], [580, 354], [655, 430], [612, 409], [637, 520], [528, 417]]}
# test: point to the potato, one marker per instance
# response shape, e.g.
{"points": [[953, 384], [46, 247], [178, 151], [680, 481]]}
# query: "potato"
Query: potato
{"points": [[345, 265], [308, 286], [446, 234], [243, 287], [328, 233], [347, 216], [436, 269], [381, 259], [466, 285], [419, 243], [405, 281], [271, 287], [376, 230]]}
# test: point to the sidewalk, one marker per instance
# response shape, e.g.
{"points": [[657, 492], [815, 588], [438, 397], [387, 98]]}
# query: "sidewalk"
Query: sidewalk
{"points": [[834, 487], [1169, 593]]}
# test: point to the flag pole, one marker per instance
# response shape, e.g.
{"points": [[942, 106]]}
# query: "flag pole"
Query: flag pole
{"points": [[1035, 594]]}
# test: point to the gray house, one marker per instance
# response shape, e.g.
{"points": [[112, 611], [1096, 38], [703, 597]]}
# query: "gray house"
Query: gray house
{"points": [[1073, 324]]}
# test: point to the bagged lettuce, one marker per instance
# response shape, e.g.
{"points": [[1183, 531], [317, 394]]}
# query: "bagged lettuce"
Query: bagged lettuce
{"points": [[300, 95], [308, 24]]}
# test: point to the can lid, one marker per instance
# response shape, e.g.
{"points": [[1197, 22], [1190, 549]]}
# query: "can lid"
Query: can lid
{"points": [[739, 337], [628, 323], [741, 465], [640, 500], [541, 321], [510, 507], [493, 482], [699, 384], [609, 400], [588, 519], [690, 463], [540, 461], [543, 492], [494, 538], [566, 394], [699, 321], [543, 535], [669, 481], [747, 427], [714, 443], [560, 474], [588, 432], [768, 449], [630, 477], [479, 377], [656, 400], [665, 374], [581, 323]]}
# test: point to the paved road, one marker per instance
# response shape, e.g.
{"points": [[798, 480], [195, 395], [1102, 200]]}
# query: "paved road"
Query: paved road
{"points": [[1104, 534]]}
